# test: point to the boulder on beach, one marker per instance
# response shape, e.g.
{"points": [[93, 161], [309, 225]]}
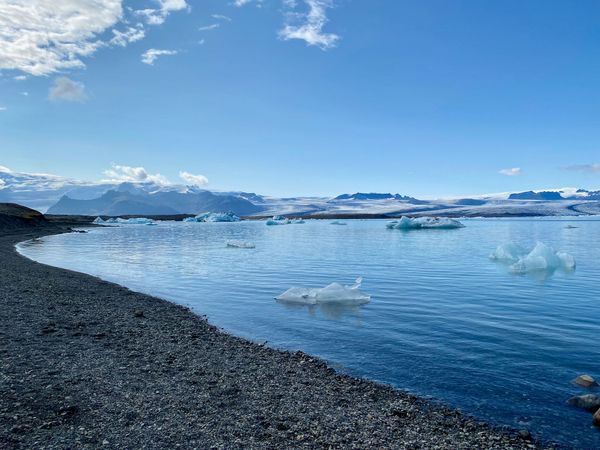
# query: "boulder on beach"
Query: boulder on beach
{"points": [[589, 402], [585, 381]]}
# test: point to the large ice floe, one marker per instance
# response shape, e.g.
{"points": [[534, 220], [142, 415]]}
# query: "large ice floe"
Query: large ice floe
{"points": [[280, 220], [240, 244], [120, 221], [420, 223], [214, 217], [333, 293], [541, 258]]}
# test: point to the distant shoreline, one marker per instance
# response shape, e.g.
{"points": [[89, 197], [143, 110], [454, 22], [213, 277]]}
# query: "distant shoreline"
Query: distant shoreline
{"points": [[88, 363]]}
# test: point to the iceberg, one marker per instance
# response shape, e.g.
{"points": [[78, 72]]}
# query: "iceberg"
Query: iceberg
{"points": [[541, 258], [429, 223], [240, 244], [280, 220], [120, 221], [337, 222], [214, 217], [333, 293]]}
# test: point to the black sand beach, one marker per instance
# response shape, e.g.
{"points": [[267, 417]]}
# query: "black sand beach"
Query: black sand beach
{"points": [[85, 363]]}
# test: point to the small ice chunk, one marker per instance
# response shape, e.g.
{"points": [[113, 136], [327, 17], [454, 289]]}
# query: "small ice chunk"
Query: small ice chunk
{"points": [[417, 223], [333, 293], [280, 220], [541, 258], [508, 252], [337, 222], [213, 217], [240, 244]]}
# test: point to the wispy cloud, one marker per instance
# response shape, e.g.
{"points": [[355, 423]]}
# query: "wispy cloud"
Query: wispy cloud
{"points": [[3, 108], [221, 17], [212, 26], [193, 180], [65, 89], [132, 34], [119, 174], [512, 172], [589, 168], [308, 26], [151, 55], [20, 77]]}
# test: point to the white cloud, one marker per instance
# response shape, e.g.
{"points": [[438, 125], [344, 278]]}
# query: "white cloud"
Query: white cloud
{"points": [[40, 37], [308, 26], [5, 169], [209, 27], [65, 89], [239, 3], [158, 15], [590, 168], [221, 17], [25, 94], [119, 174], [3, 108], [151, 55], [193, 180], [512, 172], [20, 78], [132, 34]]}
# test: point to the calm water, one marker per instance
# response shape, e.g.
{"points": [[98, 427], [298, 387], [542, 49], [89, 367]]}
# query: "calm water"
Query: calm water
{"points": [[444, 320]]}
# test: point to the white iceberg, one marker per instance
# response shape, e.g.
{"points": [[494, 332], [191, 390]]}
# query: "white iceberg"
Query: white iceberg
{"points": [[280, 220], [333, 293], [541, 258], [240, 244], [120, 221], [214, 217], [337, 222], [418, 223]]}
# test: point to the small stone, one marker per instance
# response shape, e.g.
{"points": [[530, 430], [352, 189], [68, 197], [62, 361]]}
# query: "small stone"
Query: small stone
{"points": [[596, 419], [104, 442], [589, 402], [138, 313], [525, 435], [585, 381]]}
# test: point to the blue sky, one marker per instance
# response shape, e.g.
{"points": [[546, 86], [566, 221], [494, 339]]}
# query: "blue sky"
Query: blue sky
{"points": [[427, 98]]}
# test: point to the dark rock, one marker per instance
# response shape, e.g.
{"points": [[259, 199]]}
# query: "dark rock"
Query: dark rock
{"points": [[138, 313], [585, 381], [525, 435], [596, 419], [589, 402]]}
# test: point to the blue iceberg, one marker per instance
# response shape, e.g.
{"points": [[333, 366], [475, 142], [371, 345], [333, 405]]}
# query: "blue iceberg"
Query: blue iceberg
{"points": [[424, 223], [541, 258], [114, 221], [214, 217], [333, 293]]}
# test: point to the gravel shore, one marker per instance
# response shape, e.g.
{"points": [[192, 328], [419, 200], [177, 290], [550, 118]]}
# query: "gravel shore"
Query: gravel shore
{"points": [[86, 363]]}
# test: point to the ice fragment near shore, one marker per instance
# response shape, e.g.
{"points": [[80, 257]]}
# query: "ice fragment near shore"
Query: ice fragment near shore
{"points": [[417, 223], [337, 222], [240, 244], [334, 293], [280, 220], [214, 217], [541, 258], [120, 221]]}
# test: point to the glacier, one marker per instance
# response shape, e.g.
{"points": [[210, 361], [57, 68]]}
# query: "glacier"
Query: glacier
{"points": [[333, 293], [240, 244], [541, 258], [120, 221], [214, 217], [429, 223]]}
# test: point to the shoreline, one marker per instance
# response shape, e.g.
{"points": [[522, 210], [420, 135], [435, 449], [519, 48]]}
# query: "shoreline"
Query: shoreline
{"points": [[86, 363]]}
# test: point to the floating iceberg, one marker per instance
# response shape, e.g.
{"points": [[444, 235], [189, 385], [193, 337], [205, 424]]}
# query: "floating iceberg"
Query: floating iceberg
{"points": [[334, 293], [120, 221], [240, 244], [541, 258], [214, 217], [280, 220], [337, 222], [418, 223]]}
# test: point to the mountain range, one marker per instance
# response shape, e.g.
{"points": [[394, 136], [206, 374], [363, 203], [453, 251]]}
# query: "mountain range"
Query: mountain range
{"points": [[58, 195]]}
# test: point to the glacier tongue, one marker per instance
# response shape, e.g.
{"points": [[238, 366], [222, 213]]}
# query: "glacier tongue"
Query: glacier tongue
{"points": [[333, 293]]}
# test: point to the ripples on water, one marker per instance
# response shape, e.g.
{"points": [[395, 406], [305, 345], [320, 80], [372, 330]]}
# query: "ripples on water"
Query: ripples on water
{"points": [[444, 320]]}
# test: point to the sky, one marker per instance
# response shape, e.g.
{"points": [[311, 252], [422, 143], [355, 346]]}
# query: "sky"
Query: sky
{"points": [[427, 98]]}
